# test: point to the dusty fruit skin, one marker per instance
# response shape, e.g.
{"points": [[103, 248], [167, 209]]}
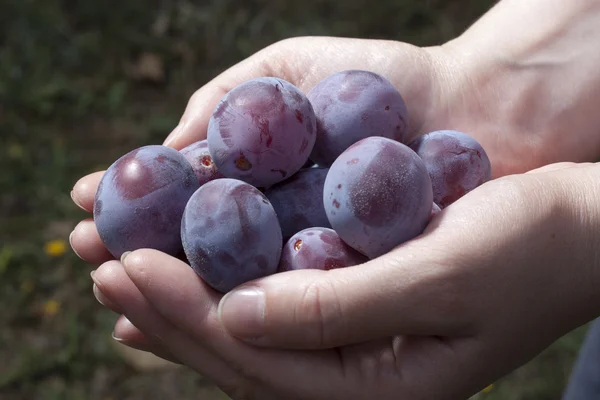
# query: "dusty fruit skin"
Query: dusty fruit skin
{"points": [[456, 162], [298, 201], [199, 158], [230, 234], [353, 105], [377, 195], [318, 248], [262, 132], [141, 198]]}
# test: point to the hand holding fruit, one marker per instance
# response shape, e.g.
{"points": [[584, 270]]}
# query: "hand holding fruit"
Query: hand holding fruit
{"points": [[472, 287], [435, 318], [377, 193]]}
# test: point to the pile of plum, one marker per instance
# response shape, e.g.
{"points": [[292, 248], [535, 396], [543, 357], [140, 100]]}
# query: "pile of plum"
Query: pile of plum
{"points": [[288, 181]]}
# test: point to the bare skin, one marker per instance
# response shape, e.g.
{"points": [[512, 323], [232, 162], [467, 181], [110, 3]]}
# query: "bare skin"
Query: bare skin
{"points": [[497, 276]]}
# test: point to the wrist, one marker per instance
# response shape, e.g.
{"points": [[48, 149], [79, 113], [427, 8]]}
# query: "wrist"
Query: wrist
{"points": [[533, 67], [517, 30]]}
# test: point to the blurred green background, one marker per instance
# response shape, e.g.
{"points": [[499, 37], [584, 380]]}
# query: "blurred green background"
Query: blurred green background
{"points": [[81, 83]]}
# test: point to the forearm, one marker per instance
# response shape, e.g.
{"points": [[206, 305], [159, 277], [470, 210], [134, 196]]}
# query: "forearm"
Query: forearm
{"points": [[534, 32], [535, 65]]}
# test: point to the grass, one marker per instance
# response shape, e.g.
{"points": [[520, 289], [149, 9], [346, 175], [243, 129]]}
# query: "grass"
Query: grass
{"points": [[83, 82]]}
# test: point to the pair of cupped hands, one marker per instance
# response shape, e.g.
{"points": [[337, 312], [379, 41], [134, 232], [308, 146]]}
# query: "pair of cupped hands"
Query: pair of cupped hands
{"points": [[495, 278]]}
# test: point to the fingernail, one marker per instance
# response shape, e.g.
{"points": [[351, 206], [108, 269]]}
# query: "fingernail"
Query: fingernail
{"points": [[115, 337], [242, 312], [76, 201], [124, 342], [71, 244], [173, 135], [124, 256], [102, 299]]}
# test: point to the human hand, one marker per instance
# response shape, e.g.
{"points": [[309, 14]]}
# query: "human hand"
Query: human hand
{"points": [[444, 87], [303, 62], [523, 80], [496, 277], [496, 89]]}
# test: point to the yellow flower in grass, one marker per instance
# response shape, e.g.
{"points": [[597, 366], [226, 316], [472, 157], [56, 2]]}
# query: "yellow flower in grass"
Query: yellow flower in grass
{"points": [[55, 248], [51, 307]]}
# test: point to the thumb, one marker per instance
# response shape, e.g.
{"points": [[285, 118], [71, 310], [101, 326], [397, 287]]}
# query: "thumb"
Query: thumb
{"points": [[282, 59], [312, 309], [304, 61], [193, 124]]}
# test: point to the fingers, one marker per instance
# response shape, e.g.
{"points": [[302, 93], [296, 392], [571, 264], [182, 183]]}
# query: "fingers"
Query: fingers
{"points": [[315, 309], [102, 299], [85, 240], [169, 288], [86, 243], [194, 121], [128, 335], [114, 283], [84, 191], [181, 297]]}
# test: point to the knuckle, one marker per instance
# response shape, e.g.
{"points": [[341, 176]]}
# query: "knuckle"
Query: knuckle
{"points": [[319, 311]]}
